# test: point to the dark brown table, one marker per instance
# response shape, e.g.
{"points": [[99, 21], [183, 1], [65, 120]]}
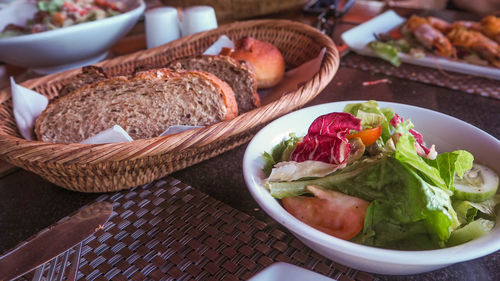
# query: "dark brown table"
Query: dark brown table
{"points": [[28, 203]]}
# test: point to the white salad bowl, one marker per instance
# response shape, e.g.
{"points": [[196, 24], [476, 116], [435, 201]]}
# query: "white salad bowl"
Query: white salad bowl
{"points": [[72, 46], [446, 132]]}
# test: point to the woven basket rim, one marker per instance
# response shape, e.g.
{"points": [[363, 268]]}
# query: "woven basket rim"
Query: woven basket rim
{"points": [[187, 139]]}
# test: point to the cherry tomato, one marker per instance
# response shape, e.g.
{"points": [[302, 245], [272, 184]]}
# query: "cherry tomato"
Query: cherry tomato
{"points": [[107, 4], [396, 33], [367, 136], [332, 212], [58, 19]]}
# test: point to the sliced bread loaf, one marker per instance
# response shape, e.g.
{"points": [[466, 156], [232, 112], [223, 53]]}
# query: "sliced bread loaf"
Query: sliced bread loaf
{"points": [[144, 105], [90, 74], [238, 74]]}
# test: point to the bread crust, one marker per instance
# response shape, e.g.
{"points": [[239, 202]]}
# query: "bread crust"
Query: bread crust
{"points": [[234, 62], [164, 73], [265, 57], [89, 74]]}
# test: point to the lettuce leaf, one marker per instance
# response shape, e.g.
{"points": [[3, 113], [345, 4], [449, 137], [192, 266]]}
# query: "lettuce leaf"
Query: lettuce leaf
{"points": [[451, 163], [386, 52], [372, 115], [466, 212], [440, 171], [333, 181], [291, 170], [401, 200], [280, 152], [410, 208], [407, 154], [487, 207]]}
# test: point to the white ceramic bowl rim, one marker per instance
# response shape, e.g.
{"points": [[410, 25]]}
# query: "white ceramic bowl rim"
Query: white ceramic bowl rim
{"points": [[439, 256], [139, 7]]}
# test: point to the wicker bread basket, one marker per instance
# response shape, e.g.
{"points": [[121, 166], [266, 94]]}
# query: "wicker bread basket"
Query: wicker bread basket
{"points": [[227, 10], [116, 166]]}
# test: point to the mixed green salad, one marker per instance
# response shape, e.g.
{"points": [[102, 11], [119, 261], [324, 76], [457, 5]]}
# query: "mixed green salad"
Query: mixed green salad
{"points": [[55, 14], [366, 175]]}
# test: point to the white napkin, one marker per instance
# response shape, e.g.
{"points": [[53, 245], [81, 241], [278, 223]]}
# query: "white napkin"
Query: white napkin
{"points": [[178, 129], [217, 46], [28, 105], [111, 135]]}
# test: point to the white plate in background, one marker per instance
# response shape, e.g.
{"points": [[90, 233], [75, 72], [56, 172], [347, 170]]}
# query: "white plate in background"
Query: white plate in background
{"points": [[358, 38]]}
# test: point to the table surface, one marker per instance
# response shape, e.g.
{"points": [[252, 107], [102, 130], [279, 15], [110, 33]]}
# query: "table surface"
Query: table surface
{"points": [[29, 203]]}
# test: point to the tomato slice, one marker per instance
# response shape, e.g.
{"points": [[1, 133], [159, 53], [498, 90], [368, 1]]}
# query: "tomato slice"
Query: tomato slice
{"points": [[332, 212], [58, 19], [367, 136], [396, 33]]}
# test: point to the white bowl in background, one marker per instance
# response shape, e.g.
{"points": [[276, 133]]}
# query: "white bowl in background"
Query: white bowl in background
{"points": [[446, 132], [70, 47]]}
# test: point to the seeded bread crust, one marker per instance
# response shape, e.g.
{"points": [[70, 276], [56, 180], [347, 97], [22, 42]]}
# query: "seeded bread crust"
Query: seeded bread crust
{"points": [[89, 75], [144, 105], [239, 75]]}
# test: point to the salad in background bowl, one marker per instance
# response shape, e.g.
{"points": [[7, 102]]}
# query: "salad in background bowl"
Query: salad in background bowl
{"points": [[64, 35], [55, 14], [363, 188]]}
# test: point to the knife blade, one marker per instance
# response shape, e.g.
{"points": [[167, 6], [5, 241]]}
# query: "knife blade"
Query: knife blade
{"points": [[54, 240]]}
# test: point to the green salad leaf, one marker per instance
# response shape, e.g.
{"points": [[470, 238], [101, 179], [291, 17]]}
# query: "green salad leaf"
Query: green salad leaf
{"points": [[470, 232], [280, 152], [488, 207], [440, 171], [372, 115], [400, 199], [50, 6], [386, 51], [407, 154], [466, 212], [450, 163], [333, 181], [410, 208]]}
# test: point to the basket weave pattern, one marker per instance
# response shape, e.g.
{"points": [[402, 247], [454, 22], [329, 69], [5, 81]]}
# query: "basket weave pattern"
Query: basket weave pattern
{"points": [[240, 9], [116, 166]]}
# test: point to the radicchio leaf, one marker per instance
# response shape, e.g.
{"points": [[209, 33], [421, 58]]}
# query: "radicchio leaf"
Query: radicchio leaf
{"points": [[326, 139]]}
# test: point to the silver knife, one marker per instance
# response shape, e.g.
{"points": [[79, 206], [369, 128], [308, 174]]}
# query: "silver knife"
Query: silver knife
{"points": [[54, 240]]}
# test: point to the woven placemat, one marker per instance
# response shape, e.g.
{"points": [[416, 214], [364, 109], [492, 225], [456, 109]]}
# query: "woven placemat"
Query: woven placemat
{"points": [[168, 230], [466, 83]]}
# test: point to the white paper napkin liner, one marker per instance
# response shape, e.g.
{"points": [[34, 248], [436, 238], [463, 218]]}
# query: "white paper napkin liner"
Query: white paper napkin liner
{"points": [[217, 46], [27, 105], [111, 135], [118, 134], [175, 129]]}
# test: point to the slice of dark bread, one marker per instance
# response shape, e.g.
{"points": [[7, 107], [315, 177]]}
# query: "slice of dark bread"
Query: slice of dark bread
{"points": [[238, 74], [145, 105], [90, 74]]}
